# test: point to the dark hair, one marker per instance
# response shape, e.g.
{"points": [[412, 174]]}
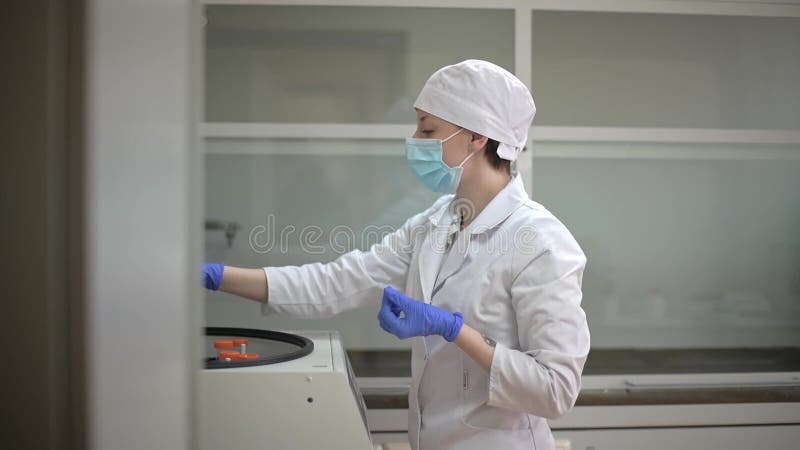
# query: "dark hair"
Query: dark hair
{"points": [[495, 161]]}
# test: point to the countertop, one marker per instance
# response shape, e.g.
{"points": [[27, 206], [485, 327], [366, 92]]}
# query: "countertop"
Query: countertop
{"points": [[395, 364]]}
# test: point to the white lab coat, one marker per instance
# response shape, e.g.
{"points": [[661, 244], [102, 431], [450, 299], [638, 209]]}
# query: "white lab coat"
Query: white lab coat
{"points": [[514, 273]]}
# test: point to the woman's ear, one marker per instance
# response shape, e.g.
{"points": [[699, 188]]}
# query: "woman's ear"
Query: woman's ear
{"points": [[478, 142]]}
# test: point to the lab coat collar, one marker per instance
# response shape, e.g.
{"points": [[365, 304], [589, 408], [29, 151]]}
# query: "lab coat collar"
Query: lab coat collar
{"points": [[499, 208], [442, 215]]}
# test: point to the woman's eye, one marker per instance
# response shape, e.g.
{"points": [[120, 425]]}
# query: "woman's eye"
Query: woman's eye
{"points": [[427, 131]]}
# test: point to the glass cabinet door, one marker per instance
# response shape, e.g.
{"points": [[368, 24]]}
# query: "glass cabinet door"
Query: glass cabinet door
{"points": [[665, 70], [272, 64], [681, 183], [687, 245], [316, 64]]}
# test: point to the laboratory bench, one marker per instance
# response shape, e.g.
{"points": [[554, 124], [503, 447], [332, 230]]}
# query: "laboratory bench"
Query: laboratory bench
{"points": [[397, 363], [633, 398], [606, 364]]}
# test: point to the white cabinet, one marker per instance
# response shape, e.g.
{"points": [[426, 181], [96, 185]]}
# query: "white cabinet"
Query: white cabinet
{"points": [[652, 427], [702, 438], [782, 437]]}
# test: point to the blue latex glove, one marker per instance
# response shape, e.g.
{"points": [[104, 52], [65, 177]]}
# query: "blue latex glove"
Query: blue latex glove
{"points": [[212, 275], [419, 318]]}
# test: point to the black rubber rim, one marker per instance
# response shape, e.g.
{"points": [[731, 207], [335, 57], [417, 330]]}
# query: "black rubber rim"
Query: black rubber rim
{"points": [[305, 346]]}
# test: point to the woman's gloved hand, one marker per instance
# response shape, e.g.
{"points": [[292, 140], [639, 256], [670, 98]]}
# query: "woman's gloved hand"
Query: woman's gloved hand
{"points": [[418, 318], [212, 275]]}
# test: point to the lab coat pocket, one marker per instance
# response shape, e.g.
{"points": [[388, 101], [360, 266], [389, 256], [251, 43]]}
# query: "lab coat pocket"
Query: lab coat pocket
{"points": [[475, 410]]}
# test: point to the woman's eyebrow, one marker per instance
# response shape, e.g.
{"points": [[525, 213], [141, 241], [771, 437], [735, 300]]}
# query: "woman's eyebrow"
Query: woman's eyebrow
{"points": [[422, 119]]}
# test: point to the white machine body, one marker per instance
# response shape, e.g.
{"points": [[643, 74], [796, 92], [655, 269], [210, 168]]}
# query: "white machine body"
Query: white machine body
{"points": [[308, 403]]}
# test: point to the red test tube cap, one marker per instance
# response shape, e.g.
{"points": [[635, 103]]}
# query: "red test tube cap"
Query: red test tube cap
{"points": [[223, 343]]}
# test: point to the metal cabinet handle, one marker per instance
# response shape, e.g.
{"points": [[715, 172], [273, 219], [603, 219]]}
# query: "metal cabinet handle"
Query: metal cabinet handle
{"points": [[795, 381]]}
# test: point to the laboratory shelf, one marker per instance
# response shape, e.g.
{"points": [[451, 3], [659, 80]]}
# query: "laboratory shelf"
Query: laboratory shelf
{"points": [[250, 130]]}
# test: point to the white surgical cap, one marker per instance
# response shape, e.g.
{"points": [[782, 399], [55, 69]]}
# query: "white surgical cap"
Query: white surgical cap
{"points": [[484, 98]]}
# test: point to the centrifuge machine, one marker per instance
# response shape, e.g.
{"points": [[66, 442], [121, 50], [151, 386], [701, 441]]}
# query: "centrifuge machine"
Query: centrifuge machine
{"points": [[275, 390]]}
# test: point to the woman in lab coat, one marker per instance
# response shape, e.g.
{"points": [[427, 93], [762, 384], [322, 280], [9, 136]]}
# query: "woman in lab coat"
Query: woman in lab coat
{"points": [[486, 282]]}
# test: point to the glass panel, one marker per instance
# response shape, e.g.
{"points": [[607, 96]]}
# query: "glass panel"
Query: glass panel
{"points": [[660, 70], [339, 64], [682, 252], [354, 197]]}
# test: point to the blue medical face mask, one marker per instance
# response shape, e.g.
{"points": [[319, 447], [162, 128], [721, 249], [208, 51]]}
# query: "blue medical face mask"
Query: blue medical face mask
{"points": [[424, 157]]}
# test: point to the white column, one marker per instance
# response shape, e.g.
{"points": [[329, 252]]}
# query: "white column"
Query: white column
{"points": [[140, 272]]}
